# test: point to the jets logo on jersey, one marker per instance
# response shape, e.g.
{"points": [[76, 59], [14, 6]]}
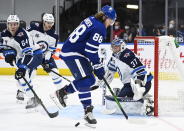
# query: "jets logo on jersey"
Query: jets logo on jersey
{"points": [[20, 34], [126, 55], [43, 45]]}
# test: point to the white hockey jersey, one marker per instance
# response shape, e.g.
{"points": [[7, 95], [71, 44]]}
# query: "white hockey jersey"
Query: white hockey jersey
{"points": [[47, 41], [22, 42], [127, 64]]}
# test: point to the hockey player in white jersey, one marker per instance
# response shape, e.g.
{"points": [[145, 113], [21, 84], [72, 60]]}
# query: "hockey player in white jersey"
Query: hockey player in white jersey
{"points": [[44, 37], [133, 74], [17, 46]]}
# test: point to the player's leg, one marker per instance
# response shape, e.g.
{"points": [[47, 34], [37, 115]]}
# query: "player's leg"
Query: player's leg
{"points": [[20, 92], [126, 91], [84, 79], [32, 100], [56, 79]]}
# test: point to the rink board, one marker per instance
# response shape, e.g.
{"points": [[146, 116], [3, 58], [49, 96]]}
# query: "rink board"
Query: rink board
{"points": [[6, 69]]}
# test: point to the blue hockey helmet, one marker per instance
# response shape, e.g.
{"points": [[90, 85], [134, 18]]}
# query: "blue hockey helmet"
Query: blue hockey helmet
{"points": [[109, 12], [118, 43]]}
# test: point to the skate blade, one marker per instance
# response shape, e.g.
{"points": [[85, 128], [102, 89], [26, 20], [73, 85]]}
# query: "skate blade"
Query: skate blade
{"points": [[32, 110], [90, 125], [56, 101], [20, 102]]}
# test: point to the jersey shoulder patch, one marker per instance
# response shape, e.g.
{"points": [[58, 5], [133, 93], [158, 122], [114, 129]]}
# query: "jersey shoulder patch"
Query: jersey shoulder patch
{"points": [[127, 53], [5, 33], [33, 26]]}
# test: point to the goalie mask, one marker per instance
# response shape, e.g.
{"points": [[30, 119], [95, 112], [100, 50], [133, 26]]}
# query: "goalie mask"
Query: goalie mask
{"points": [[118, 45]]}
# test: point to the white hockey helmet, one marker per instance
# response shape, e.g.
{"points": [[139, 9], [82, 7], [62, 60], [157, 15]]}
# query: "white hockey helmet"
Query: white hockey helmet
{"points": [[48, 17], [13, 18]]}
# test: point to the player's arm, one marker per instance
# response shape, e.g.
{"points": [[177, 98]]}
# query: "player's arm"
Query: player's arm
{"points": [[139, 70], [91, 51], [9, 53], [26, 44], [109, 75], [52, 47], [47, 65]]}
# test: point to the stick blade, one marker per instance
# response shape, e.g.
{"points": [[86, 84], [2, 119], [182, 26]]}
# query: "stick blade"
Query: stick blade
{"points": [[52, 115]]}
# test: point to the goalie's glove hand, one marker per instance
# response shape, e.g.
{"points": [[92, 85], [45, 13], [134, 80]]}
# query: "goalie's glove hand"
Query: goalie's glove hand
{"points": [[99, 71], [47, 66], [20, 73], [10, 56], [137, 89]]}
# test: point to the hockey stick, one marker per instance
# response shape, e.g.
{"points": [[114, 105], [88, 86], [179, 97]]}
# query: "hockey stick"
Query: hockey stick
{"points": [[51, 115], [61, 76], [115, 98]]}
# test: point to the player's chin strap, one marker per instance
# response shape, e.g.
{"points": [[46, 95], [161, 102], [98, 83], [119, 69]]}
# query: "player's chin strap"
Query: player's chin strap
{"points": [[115, 98], [51, 115]]}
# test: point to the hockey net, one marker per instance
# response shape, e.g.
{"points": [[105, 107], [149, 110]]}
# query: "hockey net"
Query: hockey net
{"points": [[162, 58]]}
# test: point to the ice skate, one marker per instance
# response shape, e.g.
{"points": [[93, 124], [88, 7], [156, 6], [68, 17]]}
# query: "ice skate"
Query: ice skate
{"points": [[62, 96], [32, 103], [20, 97], [88, 117]]}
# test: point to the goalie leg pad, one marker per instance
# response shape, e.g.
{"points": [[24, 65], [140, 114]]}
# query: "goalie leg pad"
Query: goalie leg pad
{"points": [[126, 91]]}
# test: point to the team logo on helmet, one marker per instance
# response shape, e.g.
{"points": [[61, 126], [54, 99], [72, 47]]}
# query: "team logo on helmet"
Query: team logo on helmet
{"points": [[48, 17], [13, 18]]}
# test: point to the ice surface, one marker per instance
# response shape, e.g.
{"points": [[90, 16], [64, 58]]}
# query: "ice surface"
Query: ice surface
{"points": [[13, 116]]}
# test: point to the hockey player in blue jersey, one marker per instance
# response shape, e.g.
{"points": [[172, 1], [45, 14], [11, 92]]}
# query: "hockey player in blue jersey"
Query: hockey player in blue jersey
{"points": [[133, 74], [45, 38], [17, 46], [80, 53]]}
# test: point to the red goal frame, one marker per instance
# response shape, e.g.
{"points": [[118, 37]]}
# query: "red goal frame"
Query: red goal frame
{"points": [[156, 66]]}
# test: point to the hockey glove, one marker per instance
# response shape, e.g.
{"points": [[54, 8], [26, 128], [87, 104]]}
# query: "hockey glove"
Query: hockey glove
{"points": [[47, 66], [99, 71], [20, 73], [10, 56], [137, 89]]}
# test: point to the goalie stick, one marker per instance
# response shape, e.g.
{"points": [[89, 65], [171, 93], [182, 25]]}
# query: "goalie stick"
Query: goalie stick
{"points": [[51, 115]]}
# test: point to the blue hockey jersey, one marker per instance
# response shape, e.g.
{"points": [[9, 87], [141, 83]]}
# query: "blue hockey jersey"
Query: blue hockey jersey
{"points": [[84, 41]]}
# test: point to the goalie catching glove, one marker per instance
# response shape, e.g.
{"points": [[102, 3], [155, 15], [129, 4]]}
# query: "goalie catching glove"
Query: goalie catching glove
{"points": [[137, 89]]}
